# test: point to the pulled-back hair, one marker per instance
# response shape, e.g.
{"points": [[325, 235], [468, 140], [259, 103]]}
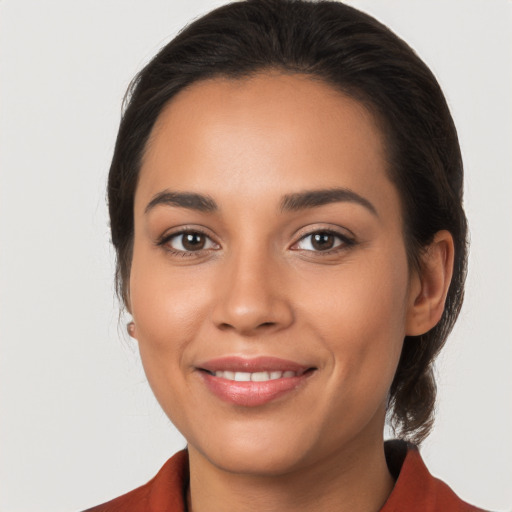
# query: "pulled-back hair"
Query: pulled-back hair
{"points": [[354, 54]]}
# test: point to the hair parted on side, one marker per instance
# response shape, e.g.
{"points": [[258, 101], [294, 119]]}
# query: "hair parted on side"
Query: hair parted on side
{"points": [[356, 55]]}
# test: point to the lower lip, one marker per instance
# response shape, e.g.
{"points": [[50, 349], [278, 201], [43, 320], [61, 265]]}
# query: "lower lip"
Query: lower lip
{"points": [[252, 394]]}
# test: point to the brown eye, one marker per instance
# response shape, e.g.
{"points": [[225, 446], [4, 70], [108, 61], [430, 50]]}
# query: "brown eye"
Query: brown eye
{"points": [[193, 241], [321, 241], [190, 241]]}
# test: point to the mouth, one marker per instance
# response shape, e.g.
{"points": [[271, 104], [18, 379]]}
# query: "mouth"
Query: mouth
{"points": [[253, 382], [263, 376]]}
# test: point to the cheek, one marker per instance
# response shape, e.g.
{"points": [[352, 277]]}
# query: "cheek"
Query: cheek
{"points": [[167, 308], [359, 314], [362, 294]]}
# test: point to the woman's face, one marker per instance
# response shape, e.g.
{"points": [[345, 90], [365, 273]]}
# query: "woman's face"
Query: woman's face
{"points": [[269, 286]]}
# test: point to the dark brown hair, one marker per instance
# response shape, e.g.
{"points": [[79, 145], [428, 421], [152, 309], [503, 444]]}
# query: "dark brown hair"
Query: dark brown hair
{"points": [[362, 58]]}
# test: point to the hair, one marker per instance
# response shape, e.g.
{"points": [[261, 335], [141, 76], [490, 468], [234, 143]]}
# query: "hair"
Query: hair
{"points": [[360, 57]]}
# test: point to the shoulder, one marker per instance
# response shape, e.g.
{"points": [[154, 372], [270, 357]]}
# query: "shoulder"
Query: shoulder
{"points": [[415, 488], [163, 492]]}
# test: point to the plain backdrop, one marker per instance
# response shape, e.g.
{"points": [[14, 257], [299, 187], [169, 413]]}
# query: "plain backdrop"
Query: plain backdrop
{"points": [[78, 423]]}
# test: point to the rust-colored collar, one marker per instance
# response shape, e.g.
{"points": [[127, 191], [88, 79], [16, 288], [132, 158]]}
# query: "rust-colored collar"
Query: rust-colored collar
{"points": [[416, 490]]}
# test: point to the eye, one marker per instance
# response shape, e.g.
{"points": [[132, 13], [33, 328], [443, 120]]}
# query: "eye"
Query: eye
{"points": [[322, 241], [188, 241]]}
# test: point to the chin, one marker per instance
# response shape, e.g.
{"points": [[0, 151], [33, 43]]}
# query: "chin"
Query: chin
{"points": [[256, 461], [256, 449]]}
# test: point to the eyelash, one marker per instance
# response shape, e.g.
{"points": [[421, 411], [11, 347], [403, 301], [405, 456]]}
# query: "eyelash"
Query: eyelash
{"points": [[346, 242], [165, 239]]}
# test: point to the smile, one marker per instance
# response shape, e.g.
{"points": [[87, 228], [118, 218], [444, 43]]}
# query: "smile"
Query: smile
{"points": [[253, 382], [255, 376]]}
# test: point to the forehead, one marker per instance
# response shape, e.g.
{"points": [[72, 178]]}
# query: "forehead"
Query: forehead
{"points": [[272, 133]]}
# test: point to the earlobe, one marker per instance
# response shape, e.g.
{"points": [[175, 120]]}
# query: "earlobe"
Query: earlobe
{"points": [[130, 329], [431, 283]]}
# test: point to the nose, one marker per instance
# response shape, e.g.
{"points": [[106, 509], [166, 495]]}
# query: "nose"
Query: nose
{"points": [[252, 296]]}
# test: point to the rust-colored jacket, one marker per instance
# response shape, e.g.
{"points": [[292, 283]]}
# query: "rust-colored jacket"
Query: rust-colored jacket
{"points": [[416, 490]]}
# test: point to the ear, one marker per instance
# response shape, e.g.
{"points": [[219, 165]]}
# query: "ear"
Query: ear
{"points": [[130, 326], [130, 329], [429, 285]]}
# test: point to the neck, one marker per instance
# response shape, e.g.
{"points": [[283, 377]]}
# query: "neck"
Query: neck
{"points": [[356, 480]]}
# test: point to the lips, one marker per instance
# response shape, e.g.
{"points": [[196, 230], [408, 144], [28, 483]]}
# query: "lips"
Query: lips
{"points": [[262, 376], [252, 382]]}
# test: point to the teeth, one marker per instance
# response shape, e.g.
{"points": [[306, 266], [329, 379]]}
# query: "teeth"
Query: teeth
{"points": [[226, 375], [255, 376], [242, 376], [260, 376]]}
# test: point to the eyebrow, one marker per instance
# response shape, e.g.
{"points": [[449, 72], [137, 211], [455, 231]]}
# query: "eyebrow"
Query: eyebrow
{"points": [[188, 200], [290, 202], [315, 198]]}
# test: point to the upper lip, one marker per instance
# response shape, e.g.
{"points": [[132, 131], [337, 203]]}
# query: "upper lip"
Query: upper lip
{"points": [[253, 364]]}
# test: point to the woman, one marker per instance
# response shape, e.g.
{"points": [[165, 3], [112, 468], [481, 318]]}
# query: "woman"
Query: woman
{"points": [[286, 206]]}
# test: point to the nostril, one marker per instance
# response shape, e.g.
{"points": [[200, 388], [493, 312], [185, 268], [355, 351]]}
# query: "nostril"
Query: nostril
{"points": [[225, 327]]}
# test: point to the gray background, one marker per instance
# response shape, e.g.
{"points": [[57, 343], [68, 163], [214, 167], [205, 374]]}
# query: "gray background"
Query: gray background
{"points": [[78, 423]]}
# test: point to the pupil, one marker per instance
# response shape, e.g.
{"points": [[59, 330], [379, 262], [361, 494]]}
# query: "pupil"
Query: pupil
{"points": [[323, 241], [193, 241]]}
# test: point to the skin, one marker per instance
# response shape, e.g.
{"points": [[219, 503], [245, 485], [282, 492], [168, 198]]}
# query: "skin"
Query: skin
{"points": [[259, 287]]}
